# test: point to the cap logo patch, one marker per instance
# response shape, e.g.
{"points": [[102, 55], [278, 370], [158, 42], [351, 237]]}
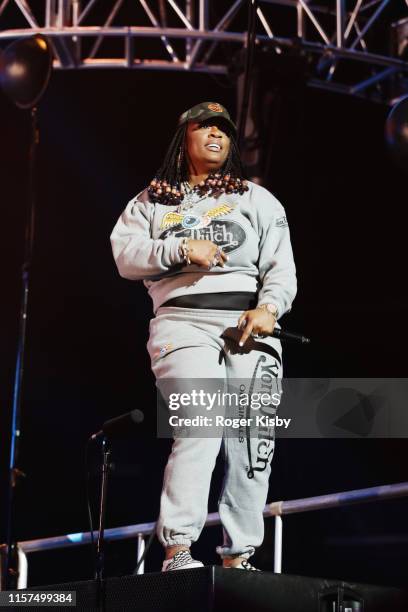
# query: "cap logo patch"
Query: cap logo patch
{"points": [[216, 108]]}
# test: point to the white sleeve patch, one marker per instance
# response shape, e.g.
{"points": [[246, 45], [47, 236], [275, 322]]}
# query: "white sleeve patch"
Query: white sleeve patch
{"points": [[281, 222]]}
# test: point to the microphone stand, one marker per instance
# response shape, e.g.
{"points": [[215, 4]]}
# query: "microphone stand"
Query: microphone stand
{"points": [[100, 545]]}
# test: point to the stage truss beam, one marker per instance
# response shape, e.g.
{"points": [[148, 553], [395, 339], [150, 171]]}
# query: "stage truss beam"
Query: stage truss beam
{"points": [[347, 42]]}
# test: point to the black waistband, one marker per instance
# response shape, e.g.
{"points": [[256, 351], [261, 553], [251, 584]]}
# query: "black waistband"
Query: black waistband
{"points": [[231, 300]]}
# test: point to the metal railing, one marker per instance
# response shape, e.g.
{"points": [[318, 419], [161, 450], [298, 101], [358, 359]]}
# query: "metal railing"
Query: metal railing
{"points": [[276, 509]]}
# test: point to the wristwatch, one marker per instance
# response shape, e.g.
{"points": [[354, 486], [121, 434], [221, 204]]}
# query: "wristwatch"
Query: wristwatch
{"points": [[270, 308]]}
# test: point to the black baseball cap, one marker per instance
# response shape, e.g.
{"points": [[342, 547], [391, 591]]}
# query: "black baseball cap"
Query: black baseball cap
{"points": [[206, 110]]}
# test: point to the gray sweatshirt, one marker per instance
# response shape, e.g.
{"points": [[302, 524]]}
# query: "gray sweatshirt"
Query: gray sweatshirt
{"points": [[251, 228]]}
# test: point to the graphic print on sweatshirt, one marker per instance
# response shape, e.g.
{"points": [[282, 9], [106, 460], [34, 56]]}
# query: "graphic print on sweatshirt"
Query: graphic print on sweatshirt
{"points": [[225, 233]]}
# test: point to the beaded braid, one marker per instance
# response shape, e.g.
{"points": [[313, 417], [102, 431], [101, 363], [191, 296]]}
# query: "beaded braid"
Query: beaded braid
{"points": [[166, 187]]}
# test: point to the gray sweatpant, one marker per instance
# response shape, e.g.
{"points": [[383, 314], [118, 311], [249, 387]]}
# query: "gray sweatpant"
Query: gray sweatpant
{"points": [[188, 344]]}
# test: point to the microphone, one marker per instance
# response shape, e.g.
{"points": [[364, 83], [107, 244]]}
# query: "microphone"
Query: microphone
{"points": [[120, 426], [285, 335]]}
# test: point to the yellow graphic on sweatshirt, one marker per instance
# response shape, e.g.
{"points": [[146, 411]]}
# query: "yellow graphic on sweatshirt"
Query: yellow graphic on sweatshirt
{"points": [[189, 221]]}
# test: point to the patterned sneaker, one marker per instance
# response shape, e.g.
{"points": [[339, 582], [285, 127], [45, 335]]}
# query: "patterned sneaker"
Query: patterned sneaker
{"points": [[244, 565], [181, 560]]}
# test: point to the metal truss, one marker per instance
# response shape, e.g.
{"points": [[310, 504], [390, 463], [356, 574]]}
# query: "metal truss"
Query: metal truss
{"points": [[348, 44]]}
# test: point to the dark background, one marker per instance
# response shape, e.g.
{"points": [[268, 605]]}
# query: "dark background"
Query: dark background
{"points": [[103, 134]]}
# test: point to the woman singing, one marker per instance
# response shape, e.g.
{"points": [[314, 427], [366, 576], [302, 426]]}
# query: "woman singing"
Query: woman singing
{"points": [[214, 252]]}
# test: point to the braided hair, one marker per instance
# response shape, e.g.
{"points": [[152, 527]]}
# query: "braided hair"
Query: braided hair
{"points": [[167, 186]]}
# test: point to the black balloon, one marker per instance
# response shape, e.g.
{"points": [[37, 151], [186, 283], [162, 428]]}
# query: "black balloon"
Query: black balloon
{"points": [[396, 133], [25, 68]]}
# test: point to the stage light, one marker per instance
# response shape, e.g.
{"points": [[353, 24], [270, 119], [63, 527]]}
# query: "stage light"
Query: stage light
{"points": [[25, 69]]}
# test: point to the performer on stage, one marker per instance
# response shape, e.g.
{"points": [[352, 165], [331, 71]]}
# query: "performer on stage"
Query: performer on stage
{"points": [[214, 252]]}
